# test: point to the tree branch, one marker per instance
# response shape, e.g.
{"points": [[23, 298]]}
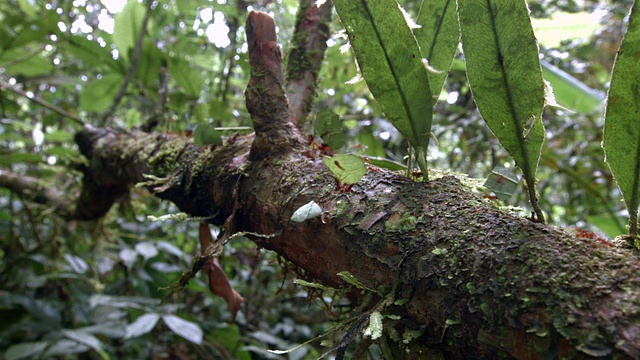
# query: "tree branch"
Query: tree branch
{"points": [[305, 57], [29, 188], [265, 96]]}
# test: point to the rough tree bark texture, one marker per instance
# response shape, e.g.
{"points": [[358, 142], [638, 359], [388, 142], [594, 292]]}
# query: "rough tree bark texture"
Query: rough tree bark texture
{"points": [[478, 282], [305, 58]]}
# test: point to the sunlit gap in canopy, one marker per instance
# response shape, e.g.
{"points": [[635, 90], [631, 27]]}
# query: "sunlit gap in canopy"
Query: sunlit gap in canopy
{"points": [[218, 31]]}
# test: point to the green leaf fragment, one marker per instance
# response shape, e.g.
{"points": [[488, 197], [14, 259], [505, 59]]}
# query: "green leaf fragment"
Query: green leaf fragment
{"points": [[438, 36], [205, 134], [126, 27], [503, 182], [570, 92], [187, 77], [20, 62], [312, 285], [351, 280], [186, 329], [99, 94], [26, 350], [87, 339], [30, 10], [450, 322], [401, 302], [375, 326], [142, 325], [347, 168], [307, 211], [329, 127]]}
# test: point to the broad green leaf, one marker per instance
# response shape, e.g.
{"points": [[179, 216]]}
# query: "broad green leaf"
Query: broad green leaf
{"points": [[65, 347], [87, 339], [184, 328], [609, 225], [200, 113], [19, 62], [149, 64], [570, 92], [622, 123], [347, 168], [29, 10], [58, 136], [142, 325], [126, 27], [132, 118], [188, 78], [18, 157], [25, 350], [62, 152], [563, 26], [93, 54], [391, 63], [98, 95], [229, 336], [386, 163], [329, 127], [506, 81], [111, 330], [438, 36]]}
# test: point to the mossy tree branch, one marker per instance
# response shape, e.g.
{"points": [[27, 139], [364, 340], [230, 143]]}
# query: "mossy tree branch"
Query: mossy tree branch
{"points": [[469, 278]]}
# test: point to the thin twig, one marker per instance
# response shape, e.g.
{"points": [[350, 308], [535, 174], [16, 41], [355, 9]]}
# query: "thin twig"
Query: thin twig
{"points": [[135, 57], [42, 103], [29, 188]]}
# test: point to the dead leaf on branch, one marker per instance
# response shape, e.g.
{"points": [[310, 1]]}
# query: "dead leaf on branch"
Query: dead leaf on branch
{"points": [[218, 281]]}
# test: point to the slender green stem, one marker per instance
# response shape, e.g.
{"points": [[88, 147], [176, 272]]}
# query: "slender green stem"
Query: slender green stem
{"points": [[633, 223]]}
